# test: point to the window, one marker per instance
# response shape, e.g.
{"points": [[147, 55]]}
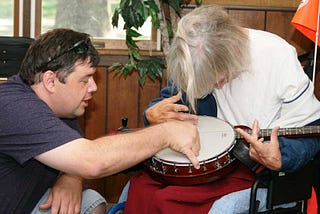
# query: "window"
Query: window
{"points": [[6, 17], [93, 17]]}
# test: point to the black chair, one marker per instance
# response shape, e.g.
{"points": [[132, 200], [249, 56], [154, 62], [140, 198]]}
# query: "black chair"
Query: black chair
{"points": [[288, 187], [12, 52]]}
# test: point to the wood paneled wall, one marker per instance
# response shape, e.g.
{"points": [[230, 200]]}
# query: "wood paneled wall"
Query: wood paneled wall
{"points": [[118, 97]]}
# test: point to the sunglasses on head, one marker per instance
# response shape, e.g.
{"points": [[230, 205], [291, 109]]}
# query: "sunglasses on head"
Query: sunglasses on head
{"points": [[79, 48]]}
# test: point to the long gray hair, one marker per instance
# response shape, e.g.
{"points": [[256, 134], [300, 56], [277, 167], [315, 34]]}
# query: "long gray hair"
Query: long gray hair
{"points": [[207, 43]]}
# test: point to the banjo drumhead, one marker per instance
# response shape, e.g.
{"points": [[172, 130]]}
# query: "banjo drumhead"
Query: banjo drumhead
{"points": [[216, 138]]}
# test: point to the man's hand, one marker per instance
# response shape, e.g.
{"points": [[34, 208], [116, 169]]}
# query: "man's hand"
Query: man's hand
{"points": [[167, 110], [184, 137], [267, 153], [65, 196]]}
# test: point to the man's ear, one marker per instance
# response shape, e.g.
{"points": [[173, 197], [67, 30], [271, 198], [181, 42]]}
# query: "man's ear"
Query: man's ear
{"points": [[48, 80]]}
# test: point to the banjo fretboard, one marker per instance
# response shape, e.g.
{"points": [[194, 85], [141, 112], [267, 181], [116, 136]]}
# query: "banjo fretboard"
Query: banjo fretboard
{"points": [[306, 131]]}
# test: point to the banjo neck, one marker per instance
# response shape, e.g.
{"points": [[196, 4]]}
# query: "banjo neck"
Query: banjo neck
{"points": [[307, 131]]}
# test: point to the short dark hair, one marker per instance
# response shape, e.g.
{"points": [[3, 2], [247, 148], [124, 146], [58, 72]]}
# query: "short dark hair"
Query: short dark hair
{"points": [[50, 52]]}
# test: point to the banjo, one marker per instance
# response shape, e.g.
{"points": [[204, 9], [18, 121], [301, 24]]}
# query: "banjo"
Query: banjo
{"points": [[217, 139], [221, 149]]}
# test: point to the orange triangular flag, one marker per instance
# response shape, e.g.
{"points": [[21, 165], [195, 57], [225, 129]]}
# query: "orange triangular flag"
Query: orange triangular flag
{"points": [[306, 18], [312, 207]]}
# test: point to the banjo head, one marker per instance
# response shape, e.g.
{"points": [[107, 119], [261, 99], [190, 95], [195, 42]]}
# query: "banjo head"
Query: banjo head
{"points": [[217, 137]]}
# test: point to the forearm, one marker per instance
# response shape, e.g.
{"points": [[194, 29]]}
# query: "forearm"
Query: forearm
{"points": [[106, 155], [76, 179], [111, 154], [128, 149], [296, 153]]}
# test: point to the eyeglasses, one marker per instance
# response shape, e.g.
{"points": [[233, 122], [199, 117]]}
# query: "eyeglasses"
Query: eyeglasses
{"points": [[79, 48]]}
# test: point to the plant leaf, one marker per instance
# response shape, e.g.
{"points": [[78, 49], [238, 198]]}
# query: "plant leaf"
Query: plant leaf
{"points": [[133, 33], [115, 65], [170, 30], [142, 80], [199, 2], [152, 5], [131, 43], [153, 67], [115, 68], [115, 17], [136, 55], [127, 69], [134, 14], [124, 3], [175, 4]]}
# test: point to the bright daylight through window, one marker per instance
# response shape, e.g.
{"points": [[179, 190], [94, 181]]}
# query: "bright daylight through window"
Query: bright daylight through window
{"points": [[6, 17], [93, 17]]}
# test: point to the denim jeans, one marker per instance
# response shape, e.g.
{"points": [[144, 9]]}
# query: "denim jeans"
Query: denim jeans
{"points": [[90, 200], [239, 202]]}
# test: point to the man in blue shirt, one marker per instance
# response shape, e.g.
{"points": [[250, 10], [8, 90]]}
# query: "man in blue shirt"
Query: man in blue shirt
{"points": [[43, 156]]}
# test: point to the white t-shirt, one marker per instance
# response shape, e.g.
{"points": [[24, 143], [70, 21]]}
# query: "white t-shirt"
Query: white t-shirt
{"points": [[275, 90]]}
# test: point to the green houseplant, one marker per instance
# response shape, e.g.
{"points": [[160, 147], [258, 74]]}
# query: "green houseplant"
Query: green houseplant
{"points": [[134, 14]]}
